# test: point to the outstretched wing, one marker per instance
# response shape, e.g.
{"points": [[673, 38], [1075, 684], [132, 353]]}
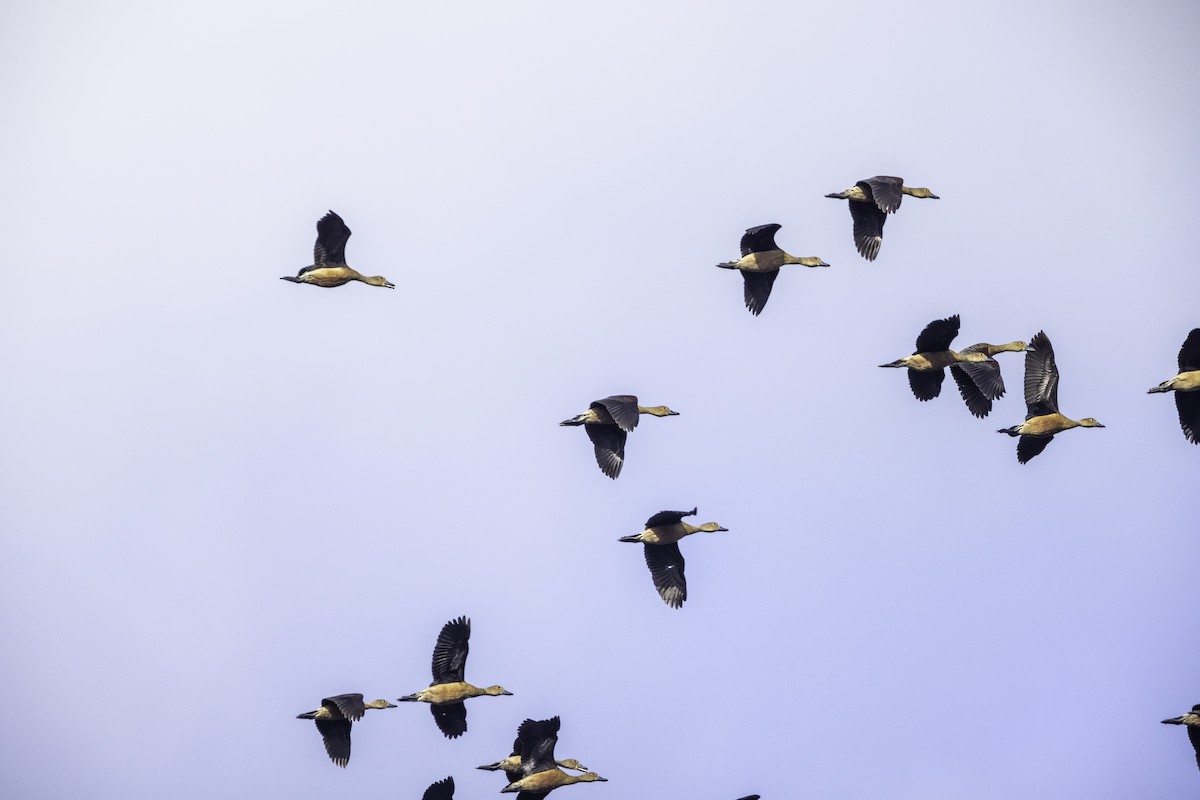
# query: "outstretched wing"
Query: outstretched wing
{"points": [[451, 718], [330, 249], [1189, 359], [666, 568], [760, 239], [349, 706], [336, 733], [537, 738], [669, 518], [926, 385], [1030, 446], [1041, 378], [623, 408], [975, 399], [937, 335], [441, 790], [868, 228], [885, 191], [450, 652], [609, 442], [1188, 406], [758, 289]]}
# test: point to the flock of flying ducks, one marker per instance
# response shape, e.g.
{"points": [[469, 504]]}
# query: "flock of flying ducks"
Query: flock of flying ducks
{"points": [[531, 768]]}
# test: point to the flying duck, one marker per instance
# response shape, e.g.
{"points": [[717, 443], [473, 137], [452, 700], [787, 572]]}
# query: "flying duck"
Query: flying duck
{"points": [[539, 771], [1041, 400], [661, 539], [1186, 386], [333, 722], [760, 263], [607, 423], [871, 200], [329, 258], [448, 690]]}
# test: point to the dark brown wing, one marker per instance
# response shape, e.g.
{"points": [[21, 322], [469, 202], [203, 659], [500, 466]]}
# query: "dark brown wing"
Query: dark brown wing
{"points": [[1188, 405], [336, 733], [451, 718], [442, 790], [885, 191], [623, 408], [669, 517], [609, 441], [978, 404], [868, 228], [537, 738], [986, 375], [760, 239], [349, 706], [330, 249], [1194, 738], [937, 335], [1030, 446], [1189, 356], [1041, 379], [666, 568], [450, 652], [758, 289], [926, 385]]}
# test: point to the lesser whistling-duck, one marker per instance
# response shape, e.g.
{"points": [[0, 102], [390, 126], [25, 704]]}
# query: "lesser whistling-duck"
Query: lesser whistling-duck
{"points": [[975, 371], [512, 764], [329, 258], [1186, 386], [608, 421], [448, 690], [663, 557], [760, 263], [871, 200], [539, 771], [1192, 721], [333, 720], [1042, 419]]}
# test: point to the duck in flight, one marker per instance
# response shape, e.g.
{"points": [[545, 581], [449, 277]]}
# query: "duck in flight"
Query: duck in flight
{"points": [[1042, 419], [1192, 721], [1186, 386], [539, 771], [871, 200], [975, 371], [608, 422], [334, 718], [329, 258], [449, 689], [661, 539], [760, 263]]}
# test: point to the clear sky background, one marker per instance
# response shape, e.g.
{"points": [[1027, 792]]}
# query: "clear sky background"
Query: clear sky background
{"points": [[225, 497]]}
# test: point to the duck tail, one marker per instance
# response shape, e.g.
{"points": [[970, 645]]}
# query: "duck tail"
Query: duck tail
{"points": [[408, 698], [637, 537], [290, 278], [1015, 430], [574, 420], [728, 265], [1165, 386]]}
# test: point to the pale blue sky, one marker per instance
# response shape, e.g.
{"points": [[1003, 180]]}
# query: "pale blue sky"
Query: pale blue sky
{"points": [[226, 497]]}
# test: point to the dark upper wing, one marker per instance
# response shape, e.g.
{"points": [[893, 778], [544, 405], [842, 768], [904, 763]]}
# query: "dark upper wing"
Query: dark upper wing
{"points": [[349, 706], [451, 718], [938, 335], [330, 249], [442, 790], [868, 228], [1194, 738], [609, 441], [986, 375], [760, 239], [979, 405], [1188, 405], [1041, 378], [885, 190], [450, 652], [666, 568], [1030, 446], [623, 408], [669, 517], [758, 289], [336, 733], [926, 385], [537, 738], [1189, 358]]}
